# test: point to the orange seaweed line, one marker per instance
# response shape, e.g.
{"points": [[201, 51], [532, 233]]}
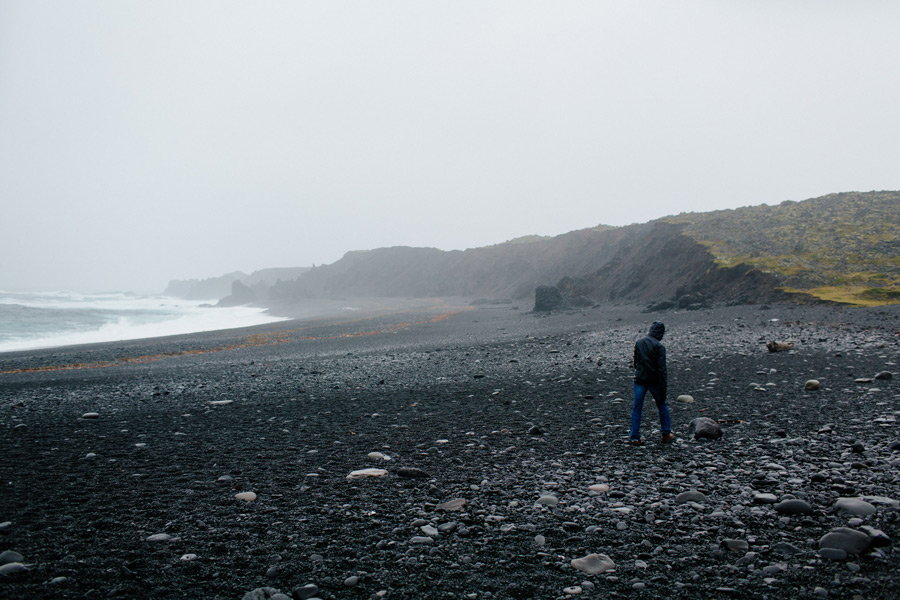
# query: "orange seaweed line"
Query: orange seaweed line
{"points": [[260, 339], [387, 329]]}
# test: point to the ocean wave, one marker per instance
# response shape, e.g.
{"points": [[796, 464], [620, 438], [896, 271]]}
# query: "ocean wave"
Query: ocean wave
{"points": [[53, 319]]}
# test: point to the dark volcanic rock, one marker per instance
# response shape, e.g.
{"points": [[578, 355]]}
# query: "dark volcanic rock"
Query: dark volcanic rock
{"points": [[846, 539], [704, 428], [240, 294], [547, 297], [495, 512]]}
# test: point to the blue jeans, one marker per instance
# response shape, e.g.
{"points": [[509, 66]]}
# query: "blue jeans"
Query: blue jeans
{"points": [[659, 395]]}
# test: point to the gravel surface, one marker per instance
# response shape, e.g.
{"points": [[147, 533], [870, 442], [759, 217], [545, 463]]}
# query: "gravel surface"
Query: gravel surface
{"points": [[457, 452]]}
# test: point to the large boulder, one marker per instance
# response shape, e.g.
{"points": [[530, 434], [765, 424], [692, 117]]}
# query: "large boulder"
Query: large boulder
{"points": [[547, 297], [704, 428]]}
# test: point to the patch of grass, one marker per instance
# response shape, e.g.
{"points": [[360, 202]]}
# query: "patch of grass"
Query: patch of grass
{"points": [[852, 295]]}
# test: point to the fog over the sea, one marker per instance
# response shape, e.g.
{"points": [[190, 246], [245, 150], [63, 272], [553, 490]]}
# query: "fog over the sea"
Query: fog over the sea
{"points": [[144, 141]]}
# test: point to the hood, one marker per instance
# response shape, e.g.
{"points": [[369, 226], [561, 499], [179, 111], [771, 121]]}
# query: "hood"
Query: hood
{"points": [[657, 330]]}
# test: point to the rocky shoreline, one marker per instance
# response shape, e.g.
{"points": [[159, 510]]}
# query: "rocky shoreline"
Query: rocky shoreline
{"points": [[457, 452]]}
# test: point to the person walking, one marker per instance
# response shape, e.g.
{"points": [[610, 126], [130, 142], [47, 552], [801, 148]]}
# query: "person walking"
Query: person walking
{"points": [[650, 374]]}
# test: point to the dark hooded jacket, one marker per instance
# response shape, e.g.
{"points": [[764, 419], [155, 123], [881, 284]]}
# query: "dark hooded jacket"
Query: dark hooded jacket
{"points": [[650, 358]]}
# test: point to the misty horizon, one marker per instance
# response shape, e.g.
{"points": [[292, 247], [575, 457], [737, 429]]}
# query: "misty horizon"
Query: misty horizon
{"points": [[147, 142]]}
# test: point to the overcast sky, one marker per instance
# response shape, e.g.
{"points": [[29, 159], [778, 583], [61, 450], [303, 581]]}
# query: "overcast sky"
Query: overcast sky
{"points": [[142, 141]]}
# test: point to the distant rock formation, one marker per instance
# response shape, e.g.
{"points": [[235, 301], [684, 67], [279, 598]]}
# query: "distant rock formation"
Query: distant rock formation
{"points": [[212, 288], [240, 295], [687, 262], [215, 288]]}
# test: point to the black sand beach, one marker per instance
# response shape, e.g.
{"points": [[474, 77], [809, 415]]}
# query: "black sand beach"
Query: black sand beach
{"points": [[516, 414]]}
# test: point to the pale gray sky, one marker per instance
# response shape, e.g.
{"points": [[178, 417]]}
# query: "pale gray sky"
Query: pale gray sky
{"points": [[142, 141]]}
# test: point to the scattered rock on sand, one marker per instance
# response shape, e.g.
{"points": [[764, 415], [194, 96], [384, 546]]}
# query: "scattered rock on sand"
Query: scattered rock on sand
{"points": [[793, 506], [774, 346], [378, 456], [704, 428], [690, 496], [10, 556], [246, 496], [685, 399], [265, 593], [364, 473], [877, 538], [456, 504], [811, 385], [13, 567], [849, 540], [90, 415], [305, 591], [764, 498], [884, 375], [856, 507], [548, 500], [160, 537], [594, 564]]}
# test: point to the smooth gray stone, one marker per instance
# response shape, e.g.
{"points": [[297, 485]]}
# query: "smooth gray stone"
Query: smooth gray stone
{"points": [[764, 498], [877, 538], [882, 501], [10, 556], [772, 569], [305, 592], [853, 506], [786, 548], [421, 539], [13, 567], [263, 593], [846, 539], [690, 496], [833, 554], [793, 507], [594, 564]]}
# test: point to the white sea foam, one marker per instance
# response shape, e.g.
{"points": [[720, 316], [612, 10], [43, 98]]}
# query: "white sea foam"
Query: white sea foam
{"points": [[46, 320]]}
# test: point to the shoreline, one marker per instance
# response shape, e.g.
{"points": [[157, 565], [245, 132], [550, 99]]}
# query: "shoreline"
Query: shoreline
{"points": [[494, 406]]}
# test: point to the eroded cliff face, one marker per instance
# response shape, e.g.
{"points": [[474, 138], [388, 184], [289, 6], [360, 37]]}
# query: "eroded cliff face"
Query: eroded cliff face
{"points": [[650, 262], [662, 263]]}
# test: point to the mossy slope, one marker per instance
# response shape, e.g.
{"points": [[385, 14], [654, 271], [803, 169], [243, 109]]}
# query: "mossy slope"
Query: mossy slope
{"points": [[841, 247]]}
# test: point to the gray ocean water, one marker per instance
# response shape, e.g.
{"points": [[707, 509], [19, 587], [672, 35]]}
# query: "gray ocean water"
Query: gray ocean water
{"points": [[31, 320]]}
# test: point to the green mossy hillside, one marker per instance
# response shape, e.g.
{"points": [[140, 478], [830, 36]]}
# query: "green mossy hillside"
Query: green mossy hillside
{"points": [[841, 247]]}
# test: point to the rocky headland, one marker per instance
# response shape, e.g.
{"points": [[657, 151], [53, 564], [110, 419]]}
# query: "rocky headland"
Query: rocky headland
{"points": [[452, 451]]}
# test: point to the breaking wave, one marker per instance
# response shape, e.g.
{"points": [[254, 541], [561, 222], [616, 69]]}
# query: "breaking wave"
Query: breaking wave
{"points": [[30, 321]]}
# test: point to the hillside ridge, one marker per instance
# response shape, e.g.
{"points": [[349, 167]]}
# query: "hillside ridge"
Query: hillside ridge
{"points": [[838, 248]]}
